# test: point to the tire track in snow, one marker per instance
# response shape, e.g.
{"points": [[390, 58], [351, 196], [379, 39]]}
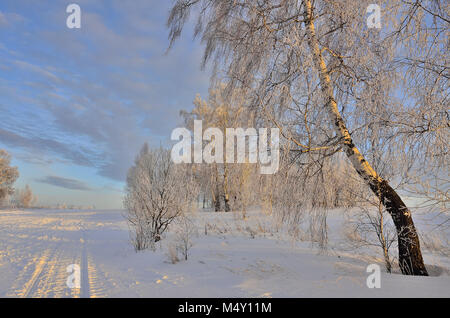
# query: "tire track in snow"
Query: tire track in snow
{"points": [[97, 280], [85, 281], [92, 279], [74, 292], [39, 285], [45, 275], [48, 281], [55, 283], [20, 289], [56, 279], [31, 286]]}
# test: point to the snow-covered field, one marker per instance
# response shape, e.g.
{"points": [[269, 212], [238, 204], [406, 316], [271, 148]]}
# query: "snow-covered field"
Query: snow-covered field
{"points": [[231, 258]]}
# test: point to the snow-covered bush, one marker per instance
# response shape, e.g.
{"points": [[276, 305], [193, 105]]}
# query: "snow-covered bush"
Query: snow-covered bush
{"points": [[184, 233], [157, 192], [172, 254]]}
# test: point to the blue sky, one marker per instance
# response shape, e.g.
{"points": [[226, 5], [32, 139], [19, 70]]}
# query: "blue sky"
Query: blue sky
{"points": [[77, 104]]}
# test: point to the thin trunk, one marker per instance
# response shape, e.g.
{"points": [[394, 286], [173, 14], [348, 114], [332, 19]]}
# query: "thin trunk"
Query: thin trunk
{"points": [[410, 256], [215, 191], [383, 238], [226, 197]]}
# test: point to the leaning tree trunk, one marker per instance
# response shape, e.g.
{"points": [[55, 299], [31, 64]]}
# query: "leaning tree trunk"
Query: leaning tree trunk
{"points": [[409, 254]]}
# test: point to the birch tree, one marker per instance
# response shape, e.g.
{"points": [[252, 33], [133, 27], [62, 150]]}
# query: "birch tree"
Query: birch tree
{"points": [[316, 70], [8, 175], [222, 111], [25, 198]]}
